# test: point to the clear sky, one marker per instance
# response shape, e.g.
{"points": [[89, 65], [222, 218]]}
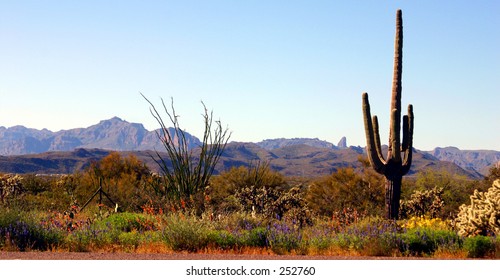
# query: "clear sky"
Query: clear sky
{"points": [[267, 69]]}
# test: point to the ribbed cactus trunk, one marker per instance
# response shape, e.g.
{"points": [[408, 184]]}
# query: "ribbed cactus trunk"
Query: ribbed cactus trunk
{"points": [[399, 154]]}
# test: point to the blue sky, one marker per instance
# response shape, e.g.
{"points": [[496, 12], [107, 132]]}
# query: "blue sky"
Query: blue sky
{"points": [[267, 69]]}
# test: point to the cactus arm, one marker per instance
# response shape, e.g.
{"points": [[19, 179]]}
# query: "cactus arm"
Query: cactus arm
{"points": [[378, 146], [404, 145], [375, 160], [409, 140]]}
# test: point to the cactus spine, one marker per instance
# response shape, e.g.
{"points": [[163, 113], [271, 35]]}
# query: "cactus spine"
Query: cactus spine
{"points": [[396, 165]]}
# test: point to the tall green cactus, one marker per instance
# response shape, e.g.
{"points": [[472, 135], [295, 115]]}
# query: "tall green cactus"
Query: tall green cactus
{"points": [[396, 165]]}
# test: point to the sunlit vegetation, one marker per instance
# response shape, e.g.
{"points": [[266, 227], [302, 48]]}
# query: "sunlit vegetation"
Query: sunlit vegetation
{"points": [[245, 210]]}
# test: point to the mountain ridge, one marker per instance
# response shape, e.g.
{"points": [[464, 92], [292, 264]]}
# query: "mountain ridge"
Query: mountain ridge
{"points": [[112, 134], [119, 135], [296, 160]]}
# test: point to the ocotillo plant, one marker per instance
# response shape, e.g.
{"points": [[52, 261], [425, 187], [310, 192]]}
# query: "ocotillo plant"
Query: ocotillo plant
{"points": [[396, 165]]}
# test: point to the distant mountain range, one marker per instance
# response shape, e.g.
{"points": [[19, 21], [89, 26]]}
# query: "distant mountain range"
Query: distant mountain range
{"points": [[113, 134], [25, 150]]}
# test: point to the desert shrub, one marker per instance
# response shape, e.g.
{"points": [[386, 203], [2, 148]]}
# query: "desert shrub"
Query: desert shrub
{"points": [[425, 241], [319, 240], [347, 189], [256, 237], [36, 184], [425, 222], [122, 231], [287, 204], [21, 231], [420, 203], [186, 233], [129, 240], [127, 222], [259, 174], [283, 238], [454, 190], [223, 239], [424, 235], [43, 193], [257, 199], [10, 188], [123, 179], [239, 221], [482, 216], [479, 246], [292, 206], [346, 217], [369, 236], [260, 191], [240, 187], [88, 238]]}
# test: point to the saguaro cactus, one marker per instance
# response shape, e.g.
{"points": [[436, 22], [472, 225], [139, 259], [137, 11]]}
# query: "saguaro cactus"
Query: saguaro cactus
{"points": [[399, 154]]}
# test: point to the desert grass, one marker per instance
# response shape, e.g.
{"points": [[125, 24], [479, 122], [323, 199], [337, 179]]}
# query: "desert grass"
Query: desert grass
{"points": [[236, 234]]}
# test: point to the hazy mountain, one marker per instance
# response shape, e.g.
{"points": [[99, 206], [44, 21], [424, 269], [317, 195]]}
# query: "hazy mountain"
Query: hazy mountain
{"points": [[270, 144], [113, 134], [474, 160]]}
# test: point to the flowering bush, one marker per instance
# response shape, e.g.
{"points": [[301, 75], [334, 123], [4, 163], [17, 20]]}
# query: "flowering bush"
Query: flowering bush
{"points": [[425, 222]]}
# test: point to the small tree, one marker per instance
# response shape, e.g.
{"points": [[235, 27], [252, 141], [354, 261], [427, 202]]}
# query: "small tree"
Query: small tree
{"points": [[346, 190], [186, 174]]}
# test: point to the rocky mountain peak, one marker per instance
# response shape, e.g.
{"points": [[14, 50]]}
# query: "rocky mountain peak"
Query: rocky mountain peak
{"points": [[342, 143]]}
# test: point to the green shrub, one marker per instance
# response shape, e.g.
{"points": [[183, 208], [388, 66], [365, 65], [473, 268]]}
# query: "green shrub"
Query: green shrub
{"points": [[348, 190], [320, 243], [425, 241], [222, 239], [479, 246], [81, 240], [127, 222], [239, 221], [129, 240], [186, 233], [256, 237], [283, 238], [455, 191]]}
